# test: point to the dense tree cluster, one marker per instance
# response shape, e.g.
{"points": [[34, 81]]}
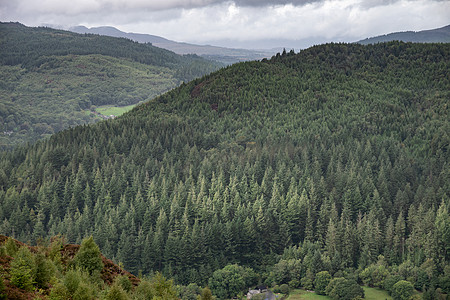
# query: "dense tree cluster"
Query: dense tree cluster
{"points": [[310, 162]]}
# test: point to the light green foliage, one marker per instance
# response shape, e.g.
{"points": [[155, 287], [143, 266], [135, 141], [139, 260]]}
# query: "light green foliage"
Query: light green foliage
{"points": [[206, 294], [124, 282], [162, 288], [144, 291], [75, 284], [402, 290], [321, 282], [88, 257], [116, 292], [23, 269]]}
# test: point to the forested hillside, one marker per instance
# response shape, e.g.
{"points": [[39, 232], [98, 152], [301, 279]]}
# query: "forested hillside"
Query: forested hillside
{"points": [[53, 79], [334, 159]]}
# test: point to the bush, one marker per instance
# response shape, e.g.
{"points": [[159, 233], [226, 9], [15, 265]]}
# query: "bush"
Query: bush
{"points": [[402, 290], [390, 281], [116, 293], [321, 282], [341, 288], [205, 294], [284, 288], [294, 283], [124, 282]]}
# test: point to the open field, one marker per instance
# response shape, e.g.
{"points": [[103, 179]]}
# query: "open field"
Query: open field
{"points": [[108, 110], [370, 294]]}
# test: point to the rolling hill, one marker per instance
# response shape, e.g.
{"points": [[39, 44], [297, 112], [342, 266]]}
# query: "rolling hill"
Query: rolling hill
{"points": [[334, 159], [53, 79], [438, 35], [221, 54]]}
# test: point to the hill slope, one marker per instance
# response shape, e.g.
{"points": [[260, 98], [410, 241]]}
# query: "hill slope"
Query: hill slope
{"points": [[62, 271], [438, 35], [224, 55], [334, 159], [52, 78]]}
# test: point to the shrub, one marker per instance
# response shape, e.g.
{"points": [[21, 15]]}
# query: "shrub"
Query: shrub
{"points": [[321, 282], [284, 288], [341, 288], [402, 290], [116, 293], [124, 282], [390, 281], [205, 294]]}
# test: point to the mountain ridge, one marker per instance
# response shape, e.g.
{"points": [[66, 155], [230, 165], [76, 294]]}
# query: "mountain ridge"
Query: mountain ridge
{"points": [[437, 35], [225, 55]]}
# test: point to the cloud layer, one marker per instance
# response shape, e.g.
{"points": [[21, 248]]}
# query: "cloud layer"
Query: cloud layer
{"points": [[238, 23]]}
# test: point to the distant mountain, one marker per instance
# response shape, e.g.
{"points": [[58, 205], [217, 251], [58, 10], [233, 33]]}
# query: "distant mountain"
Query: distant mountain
{"points": [[54, 79], [221, 54], [439, 35]]}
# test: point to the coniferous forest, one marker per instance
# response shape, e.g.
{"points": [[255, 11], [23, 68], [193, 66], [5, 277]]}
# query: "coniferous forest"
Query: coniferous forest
{"points": [[330, 165]]}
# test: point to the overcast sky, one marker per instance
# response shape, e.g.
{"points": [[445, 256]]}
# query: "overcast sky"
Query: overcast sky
{"points": [[239, 23]]}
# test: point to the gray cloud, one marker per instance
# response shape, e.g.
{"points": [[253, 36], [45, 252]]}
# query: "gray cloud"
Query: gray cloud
{"points": [[244, 23]]}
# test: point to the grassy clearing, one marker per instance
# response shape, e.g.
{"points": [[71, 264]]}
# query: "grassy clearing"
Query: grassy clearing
{"points": [[305, 295], [375, 294], [107, 110], [370, 294]]}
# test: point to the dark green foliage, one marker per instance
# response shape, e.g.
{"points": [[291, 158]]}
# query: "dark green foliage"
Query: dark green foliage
{"points": [[402, 290], [326, 159], [88, 257]]}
